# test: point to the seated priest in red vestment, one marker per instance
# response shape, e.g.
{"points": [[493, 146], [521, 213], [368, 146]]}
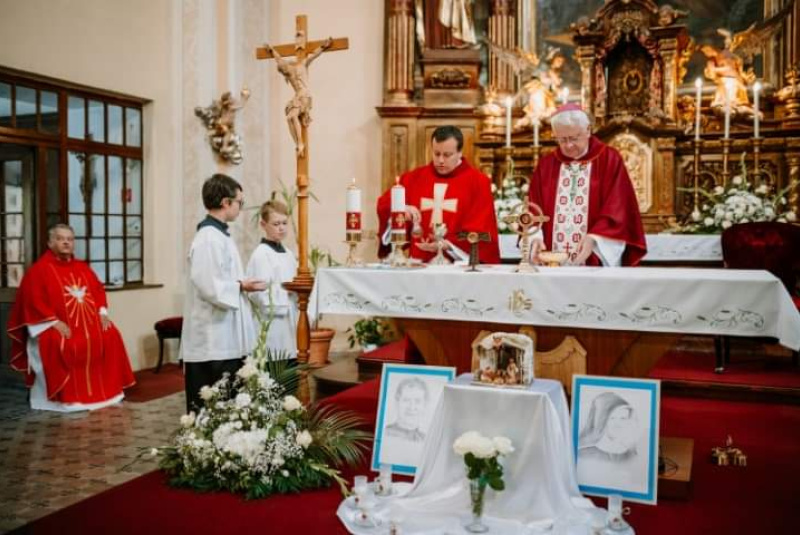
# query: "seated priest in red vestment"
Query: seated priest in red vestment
{"points": [[450, 191], [584, 188], [61, 335]]}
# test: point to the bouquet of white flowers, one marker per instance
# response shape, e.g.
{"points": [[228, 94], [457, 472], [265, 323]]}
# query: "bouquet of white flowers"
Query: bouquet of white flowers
{"points": [[253, 436], [483, 468], [510, 194], [737, 202]]}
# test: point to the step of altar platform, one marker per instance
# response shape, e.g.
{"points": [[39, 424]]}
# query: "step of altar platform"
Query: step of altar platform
{"points": [[757, 371]]}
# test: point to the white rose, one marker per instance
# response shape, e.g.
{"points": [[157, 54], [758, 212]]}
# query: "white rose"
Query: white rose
{"points": [[206, 393], [265, 381], [248, 370], [278, 460], [726, 224], [503, 445], [483, 448], [744, 220], [243, 400], [463, 444], [291, 403], [719, 190], [304, 439], [696, 215], [737, 180], [187, 420], [791, 216], [708, 221]]}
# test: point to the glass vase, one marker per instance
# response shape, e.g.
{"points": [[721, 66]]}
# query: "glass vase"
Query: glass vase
{"points": [[477, 493]]}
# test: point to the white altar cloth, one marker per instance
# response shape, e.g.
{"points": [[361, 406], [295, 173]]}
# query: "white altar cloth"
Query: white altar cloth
{"points": [[660, 248], [541, 494], [675, 300]]}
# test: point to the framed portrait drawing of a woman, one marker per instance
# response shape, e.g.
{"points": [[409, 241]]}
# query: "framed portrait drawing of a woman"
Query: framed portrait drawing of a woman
{"points": [[615, 424], [408, 397]]}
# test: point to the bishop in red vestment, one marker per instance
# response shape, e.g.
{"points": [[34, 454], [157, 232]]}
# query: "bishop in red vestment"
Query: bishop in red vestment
{"points": [[60, 315], [448, 190], [584, 188]]}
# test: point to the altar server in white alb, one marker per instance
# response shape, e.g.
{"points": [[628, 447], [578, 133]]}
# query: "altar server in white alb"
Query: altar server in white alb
{"points": [[218, 327], [275, 264]]}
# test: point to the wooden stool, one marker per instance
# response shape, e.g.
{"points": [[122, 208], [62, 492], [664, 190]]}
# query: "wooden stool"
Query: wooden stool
{"points": [[167, 328]]}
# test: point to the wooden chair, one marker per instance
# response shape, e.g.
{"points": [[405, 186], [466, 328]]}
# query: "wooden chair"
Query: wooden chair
{"points": [[770, 246], [166, 329]]}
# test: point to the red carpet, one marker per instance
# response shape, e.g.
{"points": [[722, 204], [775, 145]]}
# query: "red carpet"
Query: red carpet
{"points": [[150, 385], [758, 499], [747, 368]]}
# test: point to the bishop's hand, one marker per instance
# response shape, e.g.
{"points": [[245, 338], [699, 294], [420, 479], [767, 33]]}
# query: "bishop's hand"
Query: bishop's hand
{"points": [[415, 216], [537, 246], [585, 249], [63, 328], [253, 285], [105, 323]]}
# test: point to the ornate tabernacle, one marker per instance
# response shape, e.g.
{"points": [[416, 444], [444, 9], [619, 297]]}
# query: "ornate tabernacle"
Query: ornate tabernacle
{"points": [[502, 359], [632, 64]]}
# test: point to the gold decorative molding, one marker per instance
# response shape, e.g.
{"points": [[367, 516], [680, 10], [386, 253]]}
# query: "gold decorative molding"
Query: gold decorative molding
{"points": [[450, 78], [638, 158]]}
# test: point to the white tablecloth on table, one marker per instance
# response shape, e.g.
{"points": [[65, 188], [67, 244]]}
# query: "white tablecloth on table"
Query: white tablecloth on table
{"points": [[541, 489], [675, 300], [660, 248]]}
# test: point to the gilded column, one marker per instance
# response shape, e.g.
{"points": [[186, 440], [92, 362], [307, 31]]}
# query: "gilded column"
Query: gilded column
{"points": [[400, 53], [586, 59], [669, 80], [502, 32]]}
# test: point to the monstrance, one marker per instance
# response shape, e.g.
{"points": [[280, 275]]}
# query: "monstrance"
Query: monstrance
{"points": [[526, 221]]}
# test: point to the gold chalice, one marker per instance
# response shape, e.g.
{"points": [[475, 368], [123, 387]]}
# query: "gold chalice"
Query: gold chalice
{"points": [[553, 258]]}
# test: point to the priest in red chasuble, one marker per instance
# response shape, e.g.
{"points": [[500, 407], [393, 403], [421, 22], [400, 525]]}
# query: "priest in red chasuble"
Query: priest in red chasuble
{"points": [[61, 335], [584, 188], [448, 190]]}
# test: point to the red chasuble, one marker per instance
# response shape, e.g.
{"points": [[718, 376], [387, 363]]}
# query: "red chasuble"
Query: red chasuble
{"points": [[462, 199], [92, 365], [613, 209]]}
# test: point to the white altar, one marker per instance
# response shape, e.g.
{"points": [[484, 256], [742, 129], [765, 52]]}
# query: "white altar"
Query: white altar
{"points": [[541, 494], [668, 300]]}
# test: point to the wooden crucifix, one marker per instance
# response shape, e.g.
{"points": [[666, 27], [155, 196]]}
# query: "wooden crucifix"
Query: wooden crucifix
{"points": [[298, 116]]}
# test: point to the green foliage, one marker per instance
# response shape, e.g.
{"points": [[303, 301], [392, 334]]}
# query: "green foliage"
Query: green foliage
{"points": [[369, 331]]}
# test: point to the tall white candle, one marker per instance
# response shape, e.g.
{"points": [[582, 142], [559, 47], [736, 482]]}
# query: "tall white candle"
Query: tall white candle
{"points": [[728, 84], [398, 197], [698, 103], [509, 102], [536, 132], [756, 91], [353, 197]]}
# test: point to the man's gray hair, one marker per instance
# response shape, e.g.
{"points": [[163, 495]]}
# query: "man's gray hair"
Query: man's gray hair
{"points": [[58, 226], [570, 118]]}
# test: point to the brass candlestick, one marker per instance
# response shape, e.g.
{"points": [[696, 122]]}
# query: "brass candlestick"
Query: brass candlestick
{"points": [[697, 144], [757, 142], [397, 258], [726, 149], [353, 238], [536, 151]]}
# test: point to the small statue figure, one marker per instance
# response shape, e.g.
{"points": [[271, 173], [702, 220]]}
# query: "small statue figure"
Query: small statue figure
{"points": [[667, 15], [298, 109], [219, 121]]}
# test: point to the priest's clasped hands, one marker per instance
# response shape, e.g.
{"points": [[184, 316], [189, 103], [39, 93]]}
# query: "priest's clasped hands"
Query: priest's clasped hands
{"points": [[66, 332]]}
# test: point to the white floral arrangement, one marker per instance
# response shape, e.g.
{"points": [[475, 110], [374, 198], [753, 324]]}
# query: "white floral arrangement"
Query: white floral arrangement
{"points": [[512, 192], [737, 202], [253, 437], [481, 457]]}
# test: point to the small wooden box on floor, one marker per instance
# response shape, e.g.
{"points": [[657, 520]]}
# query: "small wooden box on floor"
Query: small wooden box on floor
{"points": [[676, 484]]}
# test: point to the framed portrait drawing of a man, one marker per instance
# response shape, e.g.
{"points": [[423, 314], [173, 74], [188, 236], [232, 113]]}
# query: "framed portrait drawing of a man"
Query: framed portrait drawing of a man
{"points": [[615, 424], [408, 396]]}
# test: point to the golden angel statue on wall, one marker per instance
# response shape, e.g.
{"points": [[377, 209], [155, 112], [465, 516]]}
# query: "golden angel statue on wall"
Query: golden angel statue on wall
{"points": [[219, 120], [726, 67]]}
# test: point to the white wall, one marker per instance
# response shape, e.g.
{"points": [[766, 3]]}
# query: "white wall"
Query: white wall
{"points": [[181, 54]]}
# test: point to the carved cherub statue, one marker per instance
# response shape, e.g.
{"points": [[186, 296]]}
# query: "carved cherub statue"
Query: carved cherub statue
{"points": [[667, 15], [726, 67], [218, 119], [542, 89]]}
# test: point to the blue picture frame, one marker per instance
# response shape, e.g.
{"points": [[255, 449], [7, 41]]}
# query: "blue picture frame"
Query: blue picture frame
{"points": [[615, 430], [406, 389]]}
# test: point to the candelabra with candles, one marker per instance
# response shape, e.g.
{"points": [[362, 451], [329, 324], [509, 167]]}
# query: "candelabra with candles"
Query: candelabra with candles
{"points": [[397, 258], [353, 225]]}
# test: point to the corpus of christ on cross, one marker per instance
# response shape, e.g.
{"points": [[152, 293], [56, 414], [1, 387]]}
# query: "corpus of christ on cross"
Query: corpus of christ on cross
{"points": [[298, 116]]}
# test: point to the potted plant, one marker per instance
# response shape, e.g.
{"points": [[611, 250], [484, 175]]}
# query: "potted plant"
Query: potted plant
{"points": [[321, 337], [370, 333]]}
